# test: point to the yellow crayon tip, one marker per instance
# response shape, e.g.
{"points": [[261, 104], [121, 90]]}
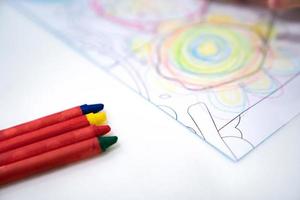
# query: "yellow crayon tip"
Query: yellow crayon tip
{"points": [[96, 118]]}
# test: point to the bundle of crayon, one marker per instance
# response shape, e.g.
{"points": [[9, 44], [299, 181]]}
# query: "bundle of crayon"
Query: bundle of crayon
{"points": [[53, 141]]}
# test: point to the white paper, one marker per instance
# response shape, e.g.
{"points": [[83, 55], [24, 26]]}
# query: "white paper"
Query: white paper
{"points": [[229, 74]]}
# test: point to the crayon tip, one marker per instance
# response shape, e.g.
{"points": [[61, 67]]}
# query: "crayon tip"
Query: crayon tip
{"points": [[103, 129], [93, 108], [96, 118], [106, 142]]}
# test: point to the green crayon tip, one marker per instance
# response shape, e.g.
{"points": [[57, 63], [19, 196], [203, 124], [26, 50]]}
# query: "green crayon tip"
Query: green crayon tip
{"points": [[106, 142]]}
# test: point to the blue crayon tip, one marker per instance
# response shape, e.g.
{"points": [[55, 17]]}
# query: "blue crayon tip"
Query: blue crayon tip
{"points": [[93, 108]]}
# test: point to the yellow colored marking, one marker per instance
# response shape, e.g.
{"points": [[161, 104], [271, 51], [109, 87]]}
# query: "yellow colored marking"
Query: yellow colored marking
{"points": [[208, 49], [232, 98], [221, 19], [263, 30]]}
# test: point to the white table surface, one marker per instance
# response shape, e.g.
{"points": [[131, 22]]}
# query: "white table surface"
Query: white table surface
{"points": [[156, 158]]}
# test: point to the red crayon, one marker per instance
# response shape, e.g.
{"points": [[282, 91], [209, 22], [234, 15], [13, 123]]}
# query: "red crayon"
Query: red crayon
{"points": [[49, 120], [56, 158], [52, 143], [51, 131]]}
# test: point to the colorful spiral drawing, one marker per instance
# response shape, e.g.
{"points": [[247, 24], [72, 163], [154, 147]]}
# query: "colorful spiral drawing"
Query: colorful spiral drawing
{"points": [[206, 55], [145, 15]]}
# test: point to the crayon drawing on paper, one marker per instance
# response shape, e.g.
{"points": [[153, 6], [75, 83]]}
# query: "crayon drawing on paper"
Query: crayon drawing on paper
{"points": [[230, 74]]}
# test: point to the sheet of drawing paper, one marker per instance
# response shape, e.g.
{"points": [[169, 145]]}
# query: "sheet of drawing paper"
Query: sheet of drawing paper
{"points": [[229, 73]]}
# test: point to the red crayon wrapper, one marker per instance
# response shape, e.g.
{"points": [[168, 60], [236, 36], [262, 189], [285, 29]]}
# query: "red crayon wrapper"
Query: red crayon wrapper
{"points": [[52, 143], [49, 160], [43, 133], [40, 123]]}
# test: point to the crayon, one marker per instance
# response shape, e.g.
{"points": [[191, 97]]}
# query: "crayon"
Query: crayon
{"points": [[49, 120], [52, 143], [53, 159], [53, 130]]}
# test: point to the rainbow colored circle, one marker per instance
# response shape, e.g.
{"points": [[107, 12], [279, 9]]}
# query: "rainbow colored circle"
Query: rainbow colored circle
{"points": [[210, 55]]}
